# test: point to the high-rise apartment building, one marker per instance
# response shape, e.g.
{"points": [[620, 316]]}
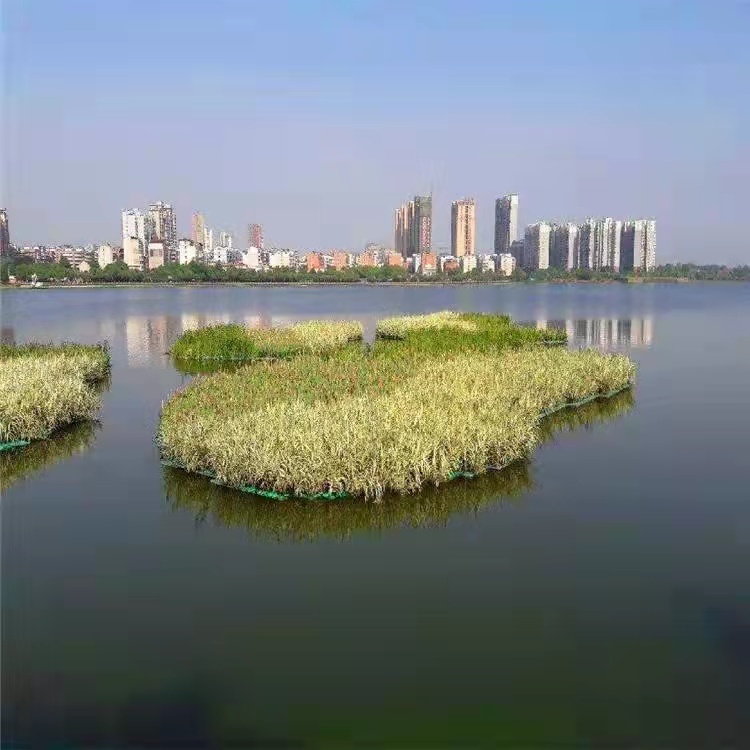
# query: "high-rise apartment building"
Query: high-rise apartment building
{"points": [[638, 245], [401, 230], [133, 253], [506, 222], [615, 235], [198, 229], [603, 243], [164, 225], [536, 246], [136, 223], [208, 240], [226, 239], [420, 224], [563, 246], [413, 226], [463, 227], [255, 235], [586, 244], [4, 232], [606, 250]]}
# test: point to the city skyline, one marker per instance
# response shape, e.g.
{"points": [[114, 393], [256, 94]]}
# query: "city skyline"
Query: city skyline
{"points": [[332, 134], [594, 243], [149, 240]]}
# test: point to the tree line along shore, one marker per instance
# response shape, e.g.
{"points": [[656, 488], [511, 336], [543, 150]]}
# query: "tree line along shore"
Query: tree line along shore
{"points": [[19, 271]]}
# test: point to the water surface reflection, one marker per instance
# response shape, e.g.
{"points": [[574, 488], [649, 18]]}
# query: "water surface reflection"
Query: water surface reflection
{"points": [[18, 464], [147, 339], [605, 333]]}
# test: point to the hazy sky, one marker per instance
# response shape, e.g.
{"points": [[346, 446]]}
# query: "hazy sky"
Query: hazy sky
{"points": [[318, 118]]}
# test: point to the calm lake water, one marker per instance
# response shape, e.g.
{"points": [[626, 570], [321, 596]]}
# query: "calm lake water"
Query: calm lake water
{"points": [[597, 596]]}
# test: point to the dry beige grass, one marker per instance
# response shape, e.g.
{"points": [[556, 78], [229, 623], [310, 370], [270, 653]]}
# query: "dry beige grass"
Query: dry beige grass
{"points": [[400, 326], [46, 387], [367, 425]]}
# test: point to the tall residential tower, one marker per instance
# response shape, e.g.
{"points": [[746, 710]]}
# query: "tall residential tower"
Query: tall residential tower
{"points": [[164, 227], [536, 246], [506, 222], [413, 226], [255, 236], [136, 225], [198, 229], [4, 232], [401, 230], [638, 245], [463, 227]]}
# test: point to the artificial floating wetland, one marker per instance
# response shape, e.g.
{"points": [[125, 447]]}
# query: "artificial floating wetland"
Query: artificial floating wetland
{"points": [[299, 520], [434, 397], [44, 387]]}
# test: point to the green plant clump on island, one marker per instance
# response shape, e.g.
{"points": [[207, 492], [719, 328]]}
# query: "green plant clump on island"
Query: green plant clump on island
{"points": [[238, 343], [44, 387], [297, 520], [405, 414]]}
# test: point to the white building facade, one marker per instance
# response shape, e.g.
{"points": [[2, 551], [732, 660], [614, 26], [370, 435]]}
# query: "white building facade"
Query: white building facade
{"points": [[105, 255], [536, 246], [187, 251], [506, 263]]}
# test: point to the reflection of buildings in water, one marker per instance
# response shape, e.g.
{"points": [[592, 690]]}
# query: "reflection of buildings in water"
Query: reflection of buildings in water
{"points": [[147, 340], [607, 333], [132, 339], [107, 329], [544, 323], [612, 333]]}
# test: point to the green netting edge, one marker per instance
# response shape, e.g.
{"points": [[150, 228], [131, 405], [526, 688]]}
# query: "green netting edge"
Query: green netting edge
{"points": [[13, 444], [587, 400], [274, 495], [253, 490]]}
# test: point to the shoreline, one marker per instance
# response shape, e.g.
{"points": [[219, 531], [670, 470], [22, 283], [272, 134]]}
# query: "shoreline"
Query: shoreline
{"points": [[313, 284]]}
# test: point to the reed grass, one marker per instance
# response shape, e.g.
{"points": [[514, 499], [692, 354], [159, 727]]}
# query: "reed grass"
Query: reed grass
{"points": [[233, 342], [44, 387], [299, 521], [408, 414], [400, 326], [91, 361]]}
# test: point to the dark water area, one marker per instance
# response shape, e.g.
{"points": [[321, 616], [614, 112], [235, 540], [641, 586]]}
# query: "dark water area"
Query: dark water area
{"points": [[597, 595]]}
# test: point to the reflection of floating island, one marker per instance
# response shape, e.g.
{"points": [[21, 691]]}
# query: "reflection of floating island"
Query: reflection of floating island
{"points": [[435, 396], [44, 387], [297, 520], [17, 465]]}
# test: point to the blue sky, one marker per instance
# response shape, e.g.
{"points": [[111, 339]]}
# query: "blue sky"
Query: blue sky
{"points": [[318, 118]]}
